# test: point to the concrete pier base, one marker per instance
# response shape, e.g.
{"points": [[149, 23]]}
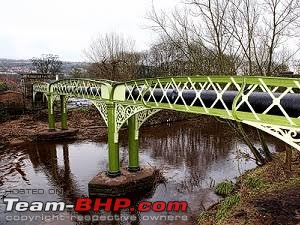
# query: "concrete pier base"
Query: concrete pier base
{"points": [[129, 182], [57, 134]]}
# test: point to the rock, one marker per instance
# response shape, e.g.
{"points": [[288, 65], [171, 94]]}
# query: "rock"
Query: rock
{"points": [[210, 200], [16, 142]]}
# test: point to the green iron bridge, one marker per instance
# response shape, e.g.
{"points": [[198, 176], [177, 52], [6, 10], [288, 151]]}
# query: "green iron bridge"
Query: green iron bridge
{"points": [[271, 104]]}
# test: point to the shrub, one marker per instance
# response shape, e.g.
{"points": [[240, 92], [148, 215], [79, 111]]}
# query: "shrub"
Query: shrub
{"points": [[203, 216], [3, 86], [224, 188]]}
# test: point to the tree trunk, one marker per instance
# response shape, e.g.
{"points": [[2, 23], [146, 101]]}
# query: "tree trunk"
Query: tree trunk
{"points": [[254, 151], [288, 158], [264, 145]]}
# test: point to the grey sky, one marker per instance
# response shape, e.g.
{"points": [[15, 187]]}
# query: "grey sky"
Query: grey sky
{"points": [[65, 27]]}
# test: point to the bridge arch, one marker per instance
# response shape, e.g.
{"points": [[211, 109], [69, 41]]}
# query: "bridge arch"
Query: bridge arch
{"points": [[40, 87]]}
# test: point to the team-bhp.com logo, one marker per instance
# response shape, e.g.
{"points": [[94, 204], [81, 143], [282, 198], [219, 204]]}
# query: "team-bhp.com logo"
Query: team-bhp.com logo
{"points": [[87, 204]]}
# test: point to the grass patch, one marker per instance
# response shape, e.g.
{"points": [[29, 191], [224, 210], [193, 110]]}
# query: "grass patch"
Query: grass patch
{"points": [[224, 188], [226, 206], [3, 86], [203, 216], [254, 182]]}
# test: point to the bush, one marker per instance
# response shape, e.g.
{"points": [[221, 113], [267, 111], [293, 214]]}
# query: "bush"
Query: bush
{"points": [[224, 188]]}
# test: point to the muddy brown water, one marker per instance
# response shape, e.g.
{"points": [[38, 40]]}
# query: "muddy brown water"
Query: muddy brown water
{"points": [[193, 156]]}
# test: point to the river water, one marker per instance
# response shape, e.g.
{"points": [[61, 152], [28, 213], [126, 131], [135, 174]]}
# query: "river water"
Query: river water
{"points": [[192, 155]]}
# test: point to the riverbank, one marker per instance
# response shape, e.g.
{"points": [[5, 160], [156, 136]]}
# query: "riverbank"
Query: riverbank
{"points": [[26, 127], [87, 120], [265, 195]]}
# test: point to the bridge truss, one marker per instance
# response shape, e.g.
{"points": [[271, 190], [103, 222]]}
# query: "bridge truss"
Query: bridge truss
{"points": [[271, 104]]}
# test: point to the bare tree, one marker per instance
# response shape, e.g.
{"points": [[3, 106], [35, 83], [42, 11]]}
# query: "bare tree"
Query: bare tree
{"points": [[261, 33], [282, 22], [242, 22], [47, 64], [213, 14], [112, 57], [198, 31]]}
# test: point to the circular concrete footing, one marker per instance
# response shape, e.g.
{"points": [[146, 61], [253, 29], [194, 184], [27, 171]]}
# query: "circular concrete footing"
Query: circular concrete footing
{"points": [[57, 134], [127, 183]]}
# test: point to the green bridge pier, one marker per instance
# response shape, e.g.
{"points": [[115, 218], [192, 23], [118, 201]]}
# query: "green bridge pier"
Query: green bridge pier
{"points": [[113, 143], [63, 112]]}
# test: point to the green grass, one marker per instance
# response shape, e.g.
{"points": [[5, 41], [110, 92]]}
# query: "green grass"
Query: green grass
{"points": [[224, 188], [225, 206], [203, 216], [254, 182]]}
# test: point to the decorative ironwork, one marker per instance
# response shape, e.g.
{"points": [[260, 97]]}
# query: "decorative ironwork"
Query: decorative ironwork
{"points": [[42, 87], [102, 108], [82, 88], [142, 116], [289, 135], [123, 112]]}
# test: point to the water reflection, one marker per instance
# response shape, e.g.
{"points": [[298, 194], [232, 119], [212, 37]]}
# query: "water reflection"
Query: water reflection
{"points": [[44, 157], [192, 154]]}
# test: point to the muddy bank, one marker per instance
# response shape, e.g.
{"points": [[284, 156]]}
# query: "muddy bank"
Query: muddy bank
{"points": [[265, 195], [88, 120]]}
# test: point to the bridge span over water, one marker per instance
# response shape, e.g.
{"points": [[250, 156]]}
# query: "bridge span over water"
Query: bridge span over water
{"points": [[271, 104]]}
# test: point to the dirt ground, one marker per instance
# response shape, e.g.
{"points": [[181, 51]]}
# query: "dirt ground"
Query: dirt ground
{"points": [[26, 127], [279, 207]]}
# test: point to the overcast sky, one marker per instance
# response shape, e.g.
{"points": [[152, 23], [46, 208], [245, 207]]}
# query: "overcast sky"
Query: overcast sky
{"points": [[29, 28]]}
